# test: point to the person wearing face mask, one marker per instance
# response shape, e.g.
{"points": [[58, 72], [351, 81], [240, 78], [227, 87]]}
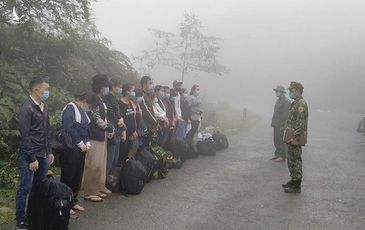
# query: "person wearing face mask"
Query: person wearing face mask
{"points": [[178, 101], [194, 108], [280, 115], [170, 110], [100, 129], [35, 155], [116, 118], [160, 111], [147, 102], [296, 136], [75, 122], [128, 109]]}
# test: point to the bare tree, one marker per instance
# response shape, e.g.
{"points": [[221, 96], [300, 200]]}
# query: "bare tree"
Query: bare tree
{"points": [[187, 52]]}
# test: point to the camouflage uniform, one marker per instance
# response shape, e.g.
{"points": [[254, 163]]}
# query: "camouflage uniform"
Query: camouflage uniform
{"points": [[279, 118], [297, 120]]}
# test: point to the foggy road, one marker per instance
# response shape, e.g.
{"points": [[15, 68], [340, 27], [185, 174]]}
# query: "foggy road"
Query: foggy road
{"points": [[241, 188]]}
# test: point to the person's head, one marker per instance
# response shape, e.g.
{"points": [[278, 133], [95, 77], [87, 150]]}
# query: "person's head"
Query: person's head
{"points": [[167, 92], [295, 90], [159, 92], [147, 84], [129, 91], [86, 101], [279, 91], [39, 87], [178, 86], [115, 87], [195, 90], [100, 84]]}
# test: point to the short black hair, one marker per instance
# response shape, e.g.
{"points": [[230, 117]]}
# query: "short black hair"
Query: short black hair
{"points": [[127, 87], [114, 82], [37, 81], [89, 97], [145, 79], [99, 81], [158, 88]]}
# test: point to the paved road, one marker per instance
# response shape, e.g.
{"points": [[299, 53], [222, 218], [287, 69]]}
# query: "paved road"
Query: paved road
{"points": [[241, 188]]}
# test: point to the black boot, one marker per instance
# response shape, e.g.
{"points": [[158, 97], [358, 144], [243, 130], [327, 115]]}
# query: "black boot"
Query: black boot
{"points": [[287, 185], [295, 188]]}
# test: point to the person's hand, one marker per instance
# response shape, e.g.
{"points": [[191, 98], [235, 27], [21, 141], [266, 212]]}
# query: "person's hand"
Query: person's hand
{"points": [[34, 166], [51, 158], [111, 135], [88, 148], [83, 148]]}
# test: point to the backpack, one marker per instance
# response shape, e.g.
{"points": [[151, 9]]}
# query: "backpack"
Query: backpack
{"points": [[206, 147], [132, 177], [49, 206], [174, 163], [149, 162], [160, 170], [113, 180], [220, 140]]}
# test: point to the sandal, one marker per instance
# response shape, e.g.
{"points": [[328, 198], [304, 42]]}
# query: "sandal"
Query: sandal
{"points": [[78, 208], [93, 198], [106, 191], [72, 212], [102, 195]]}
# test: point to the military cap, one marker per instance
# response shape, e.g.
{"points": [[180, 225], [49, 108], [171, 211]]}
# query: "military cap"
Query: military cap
{"points": [[280, 89], [296, 85]]}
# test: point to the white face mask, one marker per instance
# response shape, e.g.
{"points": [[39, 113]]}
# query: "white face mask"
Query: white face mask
{"points": [[278, 94]]}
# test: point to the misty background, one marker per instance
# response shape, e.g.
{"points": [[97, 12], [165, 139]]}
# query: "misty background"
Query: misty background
{"points": [[266, 43]]}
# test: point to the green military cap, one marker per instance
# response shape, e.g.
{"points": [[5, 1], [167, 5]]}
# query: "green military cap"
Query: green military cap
{"points": [[280, 89], [296, 85]]}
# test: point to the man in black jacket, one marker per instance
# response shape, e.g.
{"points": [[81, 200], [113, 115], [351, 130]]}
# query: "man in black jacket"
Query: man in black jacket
{"points": [[35, 148], [280, 115], [147, 105]]}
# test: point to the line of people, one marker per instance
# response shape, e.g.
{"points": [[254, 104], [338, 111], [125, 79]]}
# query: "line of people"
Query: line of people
{"points": [[101, 129]]}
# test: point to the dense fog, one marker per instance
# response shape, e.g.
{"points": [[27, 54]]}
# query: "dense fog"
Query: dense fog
{"points": [[266, 43]]}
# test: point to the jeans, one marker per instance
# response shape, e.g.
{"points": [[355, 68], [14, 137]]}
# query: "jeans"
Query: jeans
{"points": [[280, 147], [193, 130], [181, 130], [27, 181], [113, 155]]}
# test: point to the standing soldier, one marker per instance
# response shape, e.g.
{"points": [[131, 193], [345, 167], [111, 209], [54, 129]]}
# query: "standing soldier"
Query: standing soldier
{"points": [[281, 111], [296, 137]]}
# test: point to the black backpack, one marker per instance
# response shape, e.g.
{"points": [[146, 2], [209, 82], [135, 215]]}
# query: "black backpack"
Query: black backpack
{"points": [[113, 180], [207, 147], [132, 177], [149, 162], [49, 206], [220, 140]]}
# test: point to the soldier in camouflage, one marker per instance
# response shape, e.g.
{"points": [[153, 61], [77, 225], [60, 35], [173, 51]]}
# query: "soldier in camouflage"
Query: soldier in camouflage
{"points": [[279, 118], [298, 121]]}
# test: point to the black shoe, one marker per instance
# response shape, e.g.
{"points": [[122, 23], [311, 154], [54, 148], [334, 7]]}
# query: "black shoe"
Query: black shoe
{"points": [[287, 185], [295, 188], [21, 226]]}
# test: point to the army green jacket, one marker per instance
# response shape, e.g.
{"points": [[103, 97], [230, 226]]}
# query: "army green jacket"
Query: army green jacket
{"points": [[281, 111], [298, 117]]}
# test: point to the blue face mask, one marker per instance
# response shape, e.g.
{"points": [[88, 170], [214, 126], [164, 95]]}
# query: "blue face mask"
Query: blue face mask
{"points": [[292, 95], [161, 95], [106, 91], [132, 94], [151, 88], [139, 99], [44, 96], [86, 109], [119, 91]]}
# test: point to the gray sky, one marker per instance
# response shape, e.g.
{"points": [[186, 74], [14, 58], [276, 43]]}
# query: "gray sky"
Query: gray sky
{"points": [[266, 42]]}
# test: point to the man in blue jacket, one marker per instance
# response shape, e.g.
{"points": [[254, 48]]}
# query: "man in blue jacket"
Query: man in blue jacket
{"points": [[35, 148]]}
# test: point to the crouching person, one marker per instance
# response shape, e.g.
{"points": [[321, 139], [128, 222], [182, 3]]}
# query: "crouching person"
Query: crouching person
{"points": [[35, 148], [76, 122]]}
